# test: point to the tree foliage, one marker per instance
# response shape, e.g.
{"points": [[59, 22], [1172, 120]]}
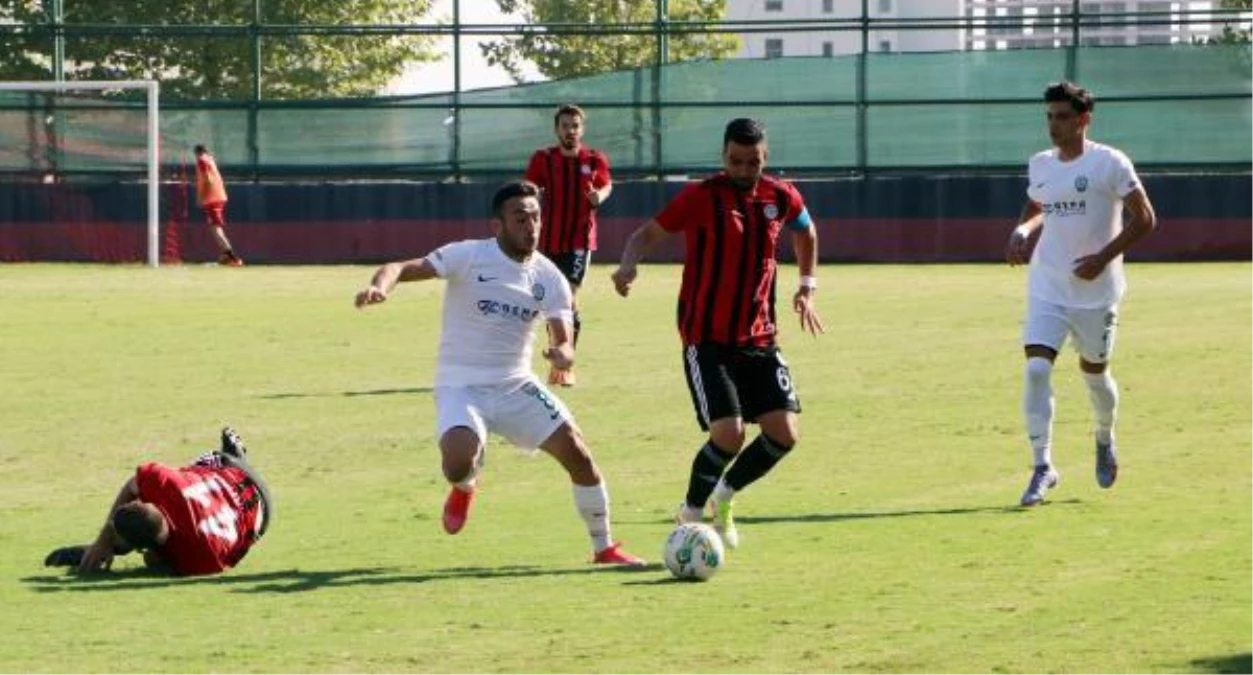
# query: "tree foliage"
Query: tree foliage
{"points": [[1238, 33], [570, 55], [217, 65]]}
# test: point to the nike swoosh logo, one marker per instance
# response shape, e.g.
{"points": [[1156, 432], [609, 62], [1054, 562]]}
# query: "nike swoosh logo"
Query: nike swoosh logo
{"points": [[483, 278]]}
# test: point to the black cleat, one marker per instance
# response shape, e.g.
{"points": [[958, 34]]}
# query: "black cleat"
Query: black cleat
{"points": [[69, 556], [232, 444]]}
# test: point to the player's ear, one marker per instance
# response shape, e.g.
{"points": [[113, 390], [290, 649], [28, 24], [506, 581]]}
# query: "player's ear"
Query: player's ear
{"points": [[497, 226]]}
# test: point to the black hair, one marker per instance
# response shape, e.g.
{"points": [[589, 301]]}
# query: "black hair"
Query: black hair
{"points": [[138, 525], [744, 131], [568, 109], [199, 149], [1080, 99], [518, 188]]}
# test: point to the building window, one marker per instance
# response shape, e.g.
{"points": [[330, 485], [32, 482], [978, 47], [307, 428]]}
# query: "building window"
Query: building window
{"points": [[828, 6], [774, 5], [885, 45], [885, 6], [828, 49], [774, 48]]}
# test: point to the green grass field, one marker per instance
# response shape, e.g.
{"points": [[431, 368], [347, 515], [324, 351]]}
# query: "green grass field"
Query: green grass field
{"points": [[889, 541]]}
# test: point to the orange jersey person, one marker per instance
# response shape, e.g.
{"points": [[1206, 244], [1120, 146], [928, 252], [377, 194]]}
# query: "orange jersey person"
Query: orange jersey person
{"points": [[211, 193]]}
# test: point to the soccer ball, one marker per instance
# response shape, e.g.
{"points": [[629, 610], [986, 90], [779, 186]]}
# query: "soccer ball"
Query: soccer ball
{"points": [[694, 552]]}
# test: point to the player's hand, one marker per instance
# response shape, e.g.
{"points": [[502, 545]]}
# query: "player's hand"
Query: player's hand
{"points": [[561, 356], [99, 556], [1090, 267], [593, 197], [623, 277], [370, 296], [1018, 250], [803, 303]]}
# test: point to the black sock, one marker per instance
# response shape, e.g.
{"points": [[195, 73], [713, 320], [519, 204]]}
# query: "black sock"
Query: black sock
{"points": [[578, 325], [756, 461], [707, 468]]}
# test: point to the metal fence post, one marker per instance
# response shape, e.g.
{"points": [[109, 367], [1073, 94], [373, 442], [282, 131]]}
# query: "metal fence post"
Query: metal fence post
{"points": [[860, 103], [254, 97]]}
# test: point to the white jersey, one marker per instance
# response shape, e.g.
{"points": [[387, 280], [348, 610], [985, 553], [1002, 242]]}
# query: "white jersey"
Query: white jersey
{"points": [[490, 306], [1082, 203]]}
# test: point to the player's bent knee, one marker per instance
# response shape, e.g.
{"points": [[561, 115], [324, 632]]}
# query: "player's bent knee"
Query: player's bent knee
{"points": [[783, 429], [727, 434], [1039, 369]]}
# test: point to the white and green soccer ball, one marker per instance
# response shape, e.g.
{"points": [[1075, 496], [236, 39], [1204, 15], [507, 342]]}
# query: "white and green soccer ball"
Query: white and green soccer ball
{"points": [[694, 552]]}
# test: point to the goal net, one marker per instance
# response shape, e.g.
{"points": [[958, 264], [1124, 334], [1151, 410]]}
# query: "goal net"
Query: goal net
{"points": [[79, 163]]}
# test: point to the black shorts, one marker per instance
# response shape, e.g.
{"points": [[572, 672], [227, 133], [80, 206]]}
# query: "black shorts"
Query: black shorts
{"points": [[744, 382], [573, 264]]}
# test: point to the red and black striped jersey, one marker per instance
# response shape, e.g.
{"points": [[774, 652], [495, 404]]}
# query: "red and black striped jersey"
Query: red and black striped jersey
{"points": [[728, 292], [212, 521], [569, 219]]}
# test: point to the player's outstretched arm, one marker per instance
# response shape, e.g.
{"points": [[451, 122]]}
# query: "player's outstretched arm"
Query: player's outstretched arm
{"points": [[1018, 250], [805, 243], [640, 241], [99, 555], [387, 276]]}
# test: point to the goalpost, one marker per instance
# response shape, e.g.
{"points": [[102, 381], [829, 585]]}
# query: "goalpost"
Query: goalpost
{"points": [[151, 159]]}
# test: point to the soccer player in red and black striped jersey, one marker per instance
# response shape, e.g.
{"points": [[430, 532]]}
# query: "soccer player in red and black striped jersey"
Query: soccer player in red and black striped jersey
{"points": [[735, 372], [194, 520], [576, 181]]}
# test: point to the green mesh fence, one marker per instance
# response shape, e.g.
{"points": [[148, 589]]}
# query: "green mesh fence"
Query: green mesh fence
{"points": [[1164, 105]]}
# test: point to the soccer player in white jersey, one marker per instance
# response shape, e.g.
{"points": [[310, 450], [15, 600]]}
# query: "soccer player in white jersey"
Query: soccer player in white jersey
{"points": [[1075, 196], [496, 290]]}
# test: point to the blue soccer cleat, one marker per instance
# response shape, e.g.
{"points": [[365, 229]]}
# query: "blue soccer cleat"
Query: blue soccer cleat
{"points": [[1043, 479]]}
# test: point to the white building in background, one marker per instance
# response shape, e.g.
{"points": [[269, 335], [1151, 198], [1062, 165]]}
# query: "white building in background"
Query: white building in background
{"points": [[1045, 23], [831, 43], [1034, 24]]}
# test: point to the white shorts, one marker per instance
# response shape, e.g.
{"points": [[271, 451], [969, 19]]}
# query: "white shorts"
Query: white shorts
{"points": [[1048, 324], [524, 412]]}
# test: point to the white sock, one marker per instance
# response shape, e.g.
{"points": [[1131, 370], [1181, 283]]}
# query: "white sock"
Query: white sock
{"points": [[1037, 407], [592, 502], [723, 492], [1103, 392]]}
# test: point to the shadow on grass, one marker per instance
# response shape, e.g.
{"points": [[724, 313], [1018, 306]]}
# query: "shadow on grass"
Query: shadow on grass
{"points": [[368, 392], [1234, 663], [296, 580], [866, 515], [839, 517]]}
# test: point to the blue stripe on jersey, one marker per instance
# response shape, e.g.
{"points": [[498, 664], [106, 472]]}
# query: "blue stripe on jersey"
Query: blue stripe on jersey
{"points": [[802, 221]]}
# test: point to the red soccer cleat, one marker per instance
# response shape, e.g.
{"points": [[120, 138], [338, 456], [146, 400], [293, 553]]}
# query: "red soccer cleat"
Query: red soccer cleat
{"points": [[614, 555], [457, 509]]}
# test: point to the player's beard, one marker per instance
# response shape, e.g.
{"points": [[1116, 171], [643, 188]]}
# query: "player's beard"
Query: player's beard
{"points": [[569, 143], [743, 184], [517, 247]]}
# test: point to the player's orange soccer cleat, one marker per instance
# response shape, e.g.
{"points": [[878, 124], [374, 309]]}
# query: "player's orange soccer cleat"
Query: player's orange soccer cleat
{"points": [[564, 378], [457, 509], [614, 555]]}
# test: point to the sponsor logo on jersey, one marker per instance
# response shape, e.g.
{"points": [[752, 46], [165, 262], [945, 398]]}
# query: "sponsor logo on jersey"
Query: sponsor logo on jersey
{"points": [[506, 310], [1065, 209]]}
